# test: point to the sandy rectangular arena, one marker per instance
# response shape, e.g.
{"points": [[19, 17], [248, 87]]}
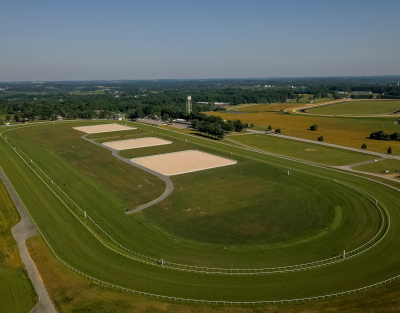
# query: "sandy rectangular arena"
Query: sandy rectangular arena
{"points": [[182, 162], [136, 143], [102, 128]]}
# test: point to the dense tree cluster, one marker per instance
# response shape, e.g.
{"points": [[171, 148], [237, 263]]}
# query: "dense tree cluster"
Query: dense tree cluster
{"points": [[215, 126], [381, 135]]}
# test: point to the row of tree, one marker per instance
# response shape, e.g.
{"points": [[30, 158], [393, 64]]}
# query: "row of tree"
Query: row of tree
{"points": [[215, 126], [381, 135]]}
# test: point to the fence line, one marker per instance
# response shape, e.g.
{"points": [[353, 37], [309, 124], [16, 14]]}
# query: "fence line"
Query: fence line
{"points": [[128, 290]]}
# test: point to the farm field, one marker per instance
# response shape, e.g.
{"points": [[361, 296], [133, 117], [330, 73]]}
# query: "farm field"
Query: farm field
{"points": [[16, 291], [346, 131], [355, 107], [163, 231], [302, 150], [393, 166]]}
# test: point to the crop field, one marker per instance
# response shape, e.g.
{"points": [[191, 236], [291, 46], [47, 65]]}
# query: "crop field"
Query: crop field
{"points": [[249, 232], [358, 107], [345, 131], [302, 150]]}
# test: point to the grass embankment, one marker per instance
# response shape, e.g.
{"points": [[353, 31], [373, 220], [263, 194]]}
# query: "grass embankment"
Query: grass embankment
{"points": [[71, 293], [359, 107], [75, 245], [345, 131], [302, 150], [16, 290], [380, 167]]}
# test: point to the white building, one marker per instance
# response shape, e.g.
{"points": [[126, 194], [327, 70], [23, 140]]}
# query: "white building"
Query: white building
{"points": [[119, 116]]}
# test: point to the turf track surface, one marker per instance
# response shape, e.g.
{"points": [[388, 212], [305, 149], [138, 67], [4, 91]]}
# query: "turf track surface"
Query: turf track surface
{"points": [[77, 246]]}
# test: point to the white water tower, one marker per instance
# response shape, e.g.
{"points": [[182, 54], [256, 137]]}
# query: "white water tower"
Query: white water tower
{"points": [[189, 104]]}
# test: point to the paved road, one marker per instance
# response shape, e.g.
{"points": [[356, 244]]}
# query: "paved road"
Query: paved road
{"points": [[168, 182], [22, 231], [381, 155]]}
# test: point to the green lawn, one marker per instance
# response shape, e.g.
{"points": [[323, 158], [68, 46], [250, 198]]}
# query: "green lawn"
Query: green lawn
{"points": [[302, 150], [393, 166], [94, 178], [359, 107], [16, 291]]}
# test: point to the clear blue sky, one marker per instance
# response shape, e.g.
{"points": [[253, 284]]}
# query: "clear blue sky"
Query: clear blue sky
{"points": [[80, 40]]}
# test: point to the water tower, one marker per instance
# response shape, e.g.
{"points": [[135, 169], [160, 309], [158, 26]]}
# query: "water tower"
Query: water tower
{"points": [[189, 104]]}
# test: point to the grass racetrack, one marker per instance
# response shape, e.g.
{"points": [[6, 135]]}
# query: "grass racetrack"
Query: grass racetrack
{"points": [[256, 216], [302, 150], [393, 166], [356, 107]]}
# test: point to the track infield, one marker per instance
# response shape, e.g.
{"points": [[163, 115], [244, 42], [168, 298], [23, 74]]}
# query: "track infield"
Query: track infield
{"points": [[176, 163], [136, 143], [102, 128]]}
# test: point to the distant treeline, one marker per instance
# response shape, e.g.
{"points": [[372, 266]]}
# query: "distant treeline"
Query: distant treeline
{"points": [[167, 98]]}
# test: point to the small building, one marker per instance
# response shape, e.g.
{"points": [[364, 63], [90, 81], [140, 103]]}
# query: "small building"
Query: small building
{"points": [[59, 117], [119, 116]]}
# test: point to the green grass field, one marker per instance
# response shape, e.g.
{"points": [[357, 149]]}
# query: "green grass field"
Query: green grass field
{"points": [[302, 150], [346, 131], [358, 107], [72, 293], [275, 107], [393, 166], [248, 211], [16, 291]]}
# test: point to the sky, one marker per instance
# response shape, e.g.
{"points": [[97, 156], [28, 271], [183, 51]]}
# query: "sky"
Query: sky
{"points": [[109, 40]]}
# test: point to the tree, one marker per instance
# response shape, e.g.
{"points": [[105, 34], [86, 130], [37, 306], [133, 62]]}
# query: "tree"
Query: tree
{"points": [[269, 127], [395, 136], [278, 131], [1, 121], [8, 118], [314, 127], [364, 146], [251, 125], [320, 138], [389, 150], [17, 118]]}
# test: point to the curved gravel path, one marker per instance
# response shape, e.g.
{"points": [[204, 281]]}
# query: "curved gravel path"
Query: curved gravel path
{"points": [[22, 231], [168, 182]]}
